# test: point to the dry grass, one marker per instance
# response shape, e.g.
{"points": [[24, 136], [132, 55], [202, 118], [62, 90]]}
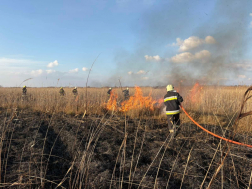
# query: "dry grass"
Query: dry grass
{"points": [[211, 102]]}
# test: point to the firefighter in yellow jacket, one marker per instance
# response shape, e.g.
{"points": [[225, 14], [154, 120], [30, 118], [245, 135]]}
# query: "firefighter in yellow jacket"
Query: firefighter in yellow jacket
{"points": [[75, 92], [172, 100], [24, 90], [62, 92]]}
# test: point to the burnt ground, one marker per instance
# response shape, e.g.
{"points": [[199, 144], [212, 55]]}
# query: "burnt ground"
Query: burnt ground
{"points": [[40, 150]]}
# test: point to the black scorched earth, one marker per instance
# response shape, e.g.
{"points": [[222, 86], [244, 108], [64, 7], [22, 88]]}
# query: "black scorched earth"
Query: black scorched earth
{"points": [[40, 150]]}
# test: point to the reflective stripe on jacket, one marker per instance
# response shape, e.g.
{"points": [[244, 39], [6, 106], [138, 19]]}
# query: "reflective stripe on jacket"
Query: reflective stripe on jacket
{"points": [[172, 112], [172, 100]]}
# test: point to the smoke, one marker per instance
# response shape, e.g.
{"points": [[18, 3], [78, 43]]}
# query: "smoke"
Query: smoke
{"points": [[228, 25], [206, 51]]}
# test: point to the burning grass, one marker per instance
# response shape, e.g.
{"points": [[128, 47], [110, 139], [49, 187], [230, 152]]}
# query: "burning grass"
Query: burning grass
{"points": [[136, 105]]}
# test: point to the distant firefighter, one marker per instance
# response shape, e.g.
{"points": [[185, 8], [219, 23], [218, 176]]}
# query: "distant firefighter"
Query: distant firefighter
{"points": [[62, 92], [75, 92], [109, 92], [126, 94], [24, 90], [172, 100]]}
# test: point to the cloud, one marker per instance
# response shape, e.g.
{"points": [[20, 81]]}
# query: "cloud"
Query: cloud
{"points": [[250, 14], [36, 72], [74, 70], [210, 40], [144, 78], [192, 42], [183, 57], [150, 58], [50, 71], [202, 54], [249, 79], [189, 57], [84, 69], [53, 64], [141, 72], [251, 24], [241, 76]]}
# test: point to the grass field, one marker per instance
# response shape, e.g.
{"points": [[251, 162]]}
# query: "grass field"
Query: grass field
{"points": [[78, 142]]}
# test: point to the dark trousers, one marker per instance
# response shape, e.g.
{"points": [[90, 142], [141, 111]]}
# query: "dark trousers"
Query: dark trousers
{"points": [[126, 97], [173, 120]]}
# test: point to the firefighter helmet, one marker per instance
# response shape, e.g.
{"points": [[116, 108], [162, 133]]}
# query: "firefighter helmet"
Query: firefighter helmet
{"points": [[24, 86], [169, 87]]}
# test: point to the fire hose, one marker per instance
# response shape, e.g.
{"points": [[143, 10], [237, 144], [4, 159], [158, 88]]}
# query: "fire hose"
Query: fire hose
{"points": [[213, 134]]}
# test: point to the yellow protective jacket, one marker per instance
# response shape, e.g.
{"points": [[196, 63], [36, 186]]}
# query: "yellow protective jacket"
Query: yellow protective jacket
{"points": [[172, 100]]}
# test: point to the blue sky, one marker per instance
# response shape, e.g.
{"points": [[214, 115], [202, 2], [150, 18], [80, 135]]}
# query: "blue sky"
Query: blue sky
{"points": [[142, 42]]}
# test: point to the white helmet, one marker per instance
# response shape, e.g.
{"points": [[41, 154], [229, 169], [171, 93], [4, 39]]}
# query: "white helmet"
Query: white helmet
{"points": [[169, 88], [75, 87]]}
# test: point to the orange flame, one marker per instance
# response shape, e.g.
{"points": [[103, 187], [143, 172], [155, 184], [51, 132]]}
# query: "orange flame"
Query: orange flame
{"points": [[135, 102], [112, 102], [138, 102], [195, 92], [160, 102]]}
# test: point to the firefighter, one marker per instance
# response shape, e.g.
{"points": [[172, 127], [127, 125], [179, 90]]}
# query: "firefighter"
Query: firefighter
{"points": [[172, 100], [109, 91], [75, 92], [126, 94], [24, 90], [62, 92]]}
